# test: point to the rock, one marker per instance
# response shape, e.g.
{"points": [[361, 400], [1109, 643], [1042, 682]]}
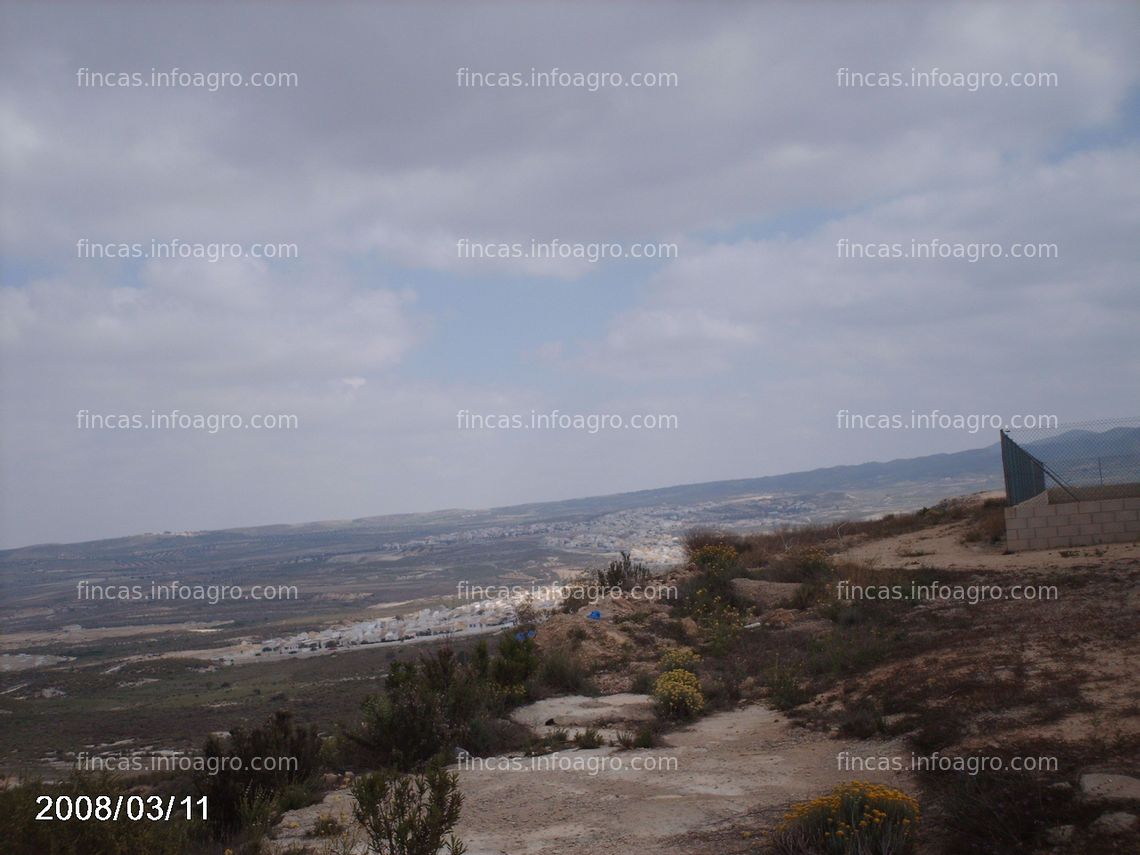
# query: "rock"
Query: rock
{"points": [[1118, 822], [1104, 787], [765, 594], [1059, 835], [692, 631], [779, 618], [330, 780]]}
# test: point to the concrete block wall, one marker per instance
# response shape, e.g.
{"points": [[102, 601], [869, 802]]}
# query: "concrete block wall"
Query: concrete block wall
{"points": [[1036, 524]]}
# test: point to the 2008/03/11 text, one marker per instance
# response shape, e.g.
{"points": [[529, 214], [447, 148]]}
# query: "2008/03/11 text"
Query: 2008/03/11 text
{"points": [[104, 808]]}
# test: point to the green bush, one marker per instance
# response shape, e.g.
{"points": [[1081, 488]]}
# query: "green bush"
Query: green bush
{"points": [[515, 662], [802, 564], [623, 574], [642, 683], [719, 619], [562, 672], [589, 738], [786, 687], [410, 814], [241, 776], [426, 708], [433, 706]]}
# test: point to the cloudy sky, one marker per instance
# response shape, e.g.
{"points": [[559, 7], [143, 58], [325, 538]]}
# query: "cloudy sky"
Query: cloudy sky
{"points": [[756, 165]]}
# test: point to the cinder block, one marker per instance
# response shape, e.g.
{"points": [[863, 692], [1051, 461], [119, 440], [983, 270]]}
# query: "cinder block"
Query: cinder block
{"points": [[1131, 503], [1113, 528], [1104, 517], [1080, 519], [1112, 504], [1089, 529], [1127, 516], [1069, 530]]}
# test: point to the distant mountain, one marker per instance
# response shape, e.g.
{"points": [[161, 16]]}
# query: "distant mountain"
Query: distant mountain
{"points": [[1117, 442], [981, 465], [404, 557], [1085, 458]]}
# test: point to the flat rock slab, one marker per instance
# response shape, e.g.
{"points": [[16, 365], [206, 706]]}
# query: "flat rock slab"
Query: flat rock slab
{"points": [[717, 770], [584, 711], [1098, 786], [1115, 823]]}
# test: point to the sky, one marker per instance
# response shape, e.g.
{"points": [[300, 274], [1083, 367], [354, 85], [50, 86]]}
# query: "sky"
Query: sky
{"points": [[757, 163]]}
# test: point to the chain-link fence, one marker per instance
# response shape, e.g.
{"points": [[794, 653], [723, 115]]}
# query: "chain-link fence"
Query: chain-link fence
{"points": [[1077, 461]]}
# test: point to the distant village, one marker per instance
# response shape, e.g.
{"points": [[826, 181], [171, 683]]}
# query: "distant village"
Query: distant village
{"points": [[482, 616]]}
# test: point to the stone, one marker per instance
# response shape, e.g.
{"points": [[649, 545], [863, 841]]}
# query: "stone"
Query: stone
{"points": [[1118, 822], [1103, 787], [1059, 835], [779, 618]]}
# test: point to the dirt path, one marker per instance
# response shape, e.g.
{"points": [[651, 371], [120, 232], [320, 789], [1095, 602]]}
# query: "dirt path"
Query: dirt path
{"points": [[941, 547], [733, 767], [715, 771]]}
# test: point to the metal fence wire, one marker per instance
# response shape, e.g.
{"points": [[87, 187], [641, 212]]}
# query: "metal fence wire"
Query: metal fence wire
{"points": [[1075, 461]]}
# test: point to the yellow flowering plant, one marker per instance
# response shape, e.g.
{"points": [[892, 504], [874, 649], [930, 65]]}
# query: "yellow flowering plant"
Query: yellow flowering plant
{"points": [[678, 694], [857, 818], [683, 658]]}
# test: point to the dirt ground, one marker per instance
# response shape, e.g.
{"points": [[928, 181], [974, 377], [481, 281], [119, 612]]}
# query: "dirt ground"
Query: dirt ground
{"points": [[716, 772], [718, 784], [942, 548]]}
